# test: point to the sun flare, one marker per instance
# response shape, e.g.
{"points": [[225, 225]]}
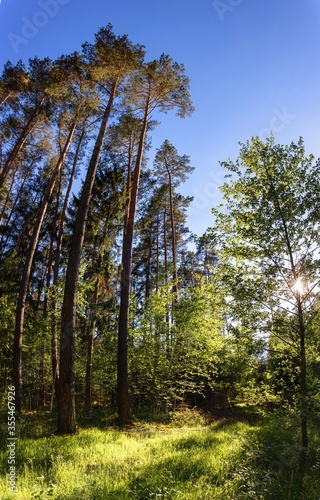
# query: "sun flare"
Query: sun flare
{"points": [[298, 286]]}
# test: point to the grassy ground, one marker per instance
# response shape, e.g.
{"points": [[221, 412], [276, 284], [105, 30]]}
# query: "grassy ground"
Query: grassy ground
{"points": [[244, 457]]}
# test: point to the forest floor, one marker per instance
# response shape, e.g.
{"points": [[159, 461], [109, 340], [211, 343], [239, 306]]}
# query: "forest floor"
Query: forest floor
{"points": [[251, 454]]}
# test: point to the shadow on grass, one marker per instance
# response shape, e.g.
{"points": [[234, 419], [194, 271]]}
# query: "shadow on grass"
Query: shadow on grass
{"points": [[274, 467]]}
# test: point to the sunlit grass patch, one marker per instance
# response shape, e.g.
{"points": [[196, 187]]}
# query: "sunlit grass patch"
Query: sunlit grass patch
{"points": [[142, 463]]}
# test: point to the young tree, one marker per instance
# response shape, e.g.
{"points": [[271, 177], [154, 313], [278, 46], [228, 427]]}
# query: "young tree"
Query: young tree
{"points": [[267, 233]]}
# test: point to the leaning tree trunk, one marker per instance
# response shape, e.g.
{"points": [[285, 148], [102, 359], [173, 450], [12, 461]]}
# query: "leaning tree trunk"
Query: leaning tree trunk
{"points": [[66, 390], [24, 284], [54, 341], [124, 411], [4, 99]]}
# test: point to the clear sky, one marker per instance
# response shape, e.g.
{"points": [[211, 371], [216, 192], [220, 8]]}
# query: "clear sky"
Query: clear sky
{"points": [[254, 67]]}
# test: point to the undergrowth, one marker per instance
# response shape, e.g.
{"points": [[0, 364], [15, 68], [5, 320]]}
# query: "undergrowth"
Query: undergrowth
{"points": [[253, 456]]}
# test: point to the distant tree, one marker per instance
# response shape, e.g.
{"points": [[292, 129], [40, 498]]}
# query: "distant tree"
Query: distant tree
{"points": [[172, 169]]}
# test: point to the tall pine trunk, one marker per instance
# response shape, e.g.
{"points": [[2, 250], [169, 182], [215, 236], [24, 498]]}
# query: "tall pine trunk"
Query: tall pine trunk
{"points": [[124, 411], [173, 242], [54, 340], [66, 392]]}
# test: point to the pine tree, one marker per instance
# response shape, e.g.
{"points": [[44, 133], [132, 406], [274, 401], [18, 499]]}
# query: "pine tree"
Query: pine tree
{"points": [[159, 85]]}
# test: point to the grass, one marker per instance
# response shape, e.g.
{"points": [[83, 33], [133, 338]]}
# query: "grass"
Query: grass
{"points": [[255, 457]]}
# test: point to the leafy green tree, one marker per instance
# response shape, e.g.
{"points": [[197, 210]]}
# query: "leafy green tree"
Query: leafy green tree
{"points": [[267, 235]]}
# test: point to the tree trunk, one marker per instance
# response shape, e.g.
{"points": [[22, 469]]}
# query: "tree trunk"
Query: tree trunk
{"points": [[51, 299], [66, 394], [148, 269], [174, 250], [303, 363], [124, 412], [24, 284], [165, 244], [157, 256], [54, 342], [303, 377]]}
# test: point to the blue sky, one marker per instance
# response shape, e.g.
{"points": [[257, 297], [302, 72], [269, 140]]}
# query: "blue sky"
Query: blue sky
{"points": [[254, 67]]}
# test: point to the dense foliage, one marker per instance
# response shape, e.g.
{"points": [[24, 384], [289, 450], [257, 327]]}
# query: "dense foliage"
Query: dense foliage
{"points": [[103, 302]]}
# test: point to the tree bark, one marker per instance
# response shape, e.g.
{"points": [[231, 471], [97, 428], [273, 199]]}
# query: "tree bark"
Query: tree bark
{"points": [[54, 342], [66, 391], [124, 411], [303, 377]]}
